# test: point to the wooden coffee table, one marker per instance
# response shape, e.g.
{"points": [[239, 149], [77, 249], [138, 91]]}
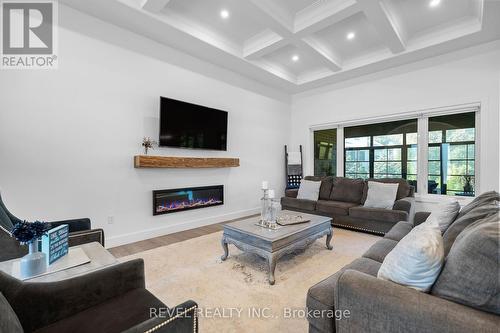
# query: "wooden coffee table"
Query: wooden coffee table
{"points": [[273, 244]]}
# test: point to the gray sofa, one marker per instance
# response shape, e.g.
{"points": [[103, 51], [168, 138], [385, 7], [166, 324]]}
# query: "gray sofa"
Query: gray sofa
{"points": [[377, 305], [342, 199]]}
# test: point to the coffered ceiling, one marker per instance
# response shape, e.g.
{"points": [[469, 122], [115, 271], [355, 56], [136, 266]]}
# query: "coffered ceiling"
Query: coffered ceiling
{"points": [[296, 45]]}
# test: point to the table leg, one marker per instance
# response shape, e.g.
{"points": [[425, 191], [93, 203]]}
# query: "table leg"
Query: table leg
{"points": [[272, 266], [329, 239], [225, 248]]}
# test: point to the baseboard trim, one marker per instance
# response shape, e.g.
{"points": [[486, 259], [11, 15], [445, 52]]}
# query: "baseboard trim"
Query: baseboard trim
{"points": [[156, 232]]}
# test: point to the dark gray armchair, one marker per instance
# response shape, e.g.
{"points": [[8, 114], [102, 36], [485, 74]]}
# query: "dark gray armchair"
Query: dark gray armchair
{"points": [[80, 232], [110, 300]]}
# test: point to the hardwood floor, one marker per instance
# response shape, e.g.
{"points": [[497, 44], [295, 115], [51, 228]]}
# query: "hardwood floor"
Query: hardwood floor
{"points": [[148, 244]]}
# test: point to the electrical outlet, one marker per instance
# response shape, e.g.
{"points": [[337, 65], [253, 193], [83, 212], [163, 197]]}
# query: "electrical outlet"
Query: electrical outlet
{"points": [[111, 219]]}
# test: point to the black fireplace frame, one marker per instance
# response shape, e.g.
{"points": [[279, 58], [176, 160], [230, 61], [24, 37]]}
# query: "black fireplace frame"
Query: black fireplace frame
{"points": [[219, 187]]}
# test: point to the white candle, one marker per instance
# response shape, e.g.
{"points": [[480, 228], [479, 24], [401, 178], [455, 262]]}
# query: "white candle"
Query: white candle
{"points": [[270, 194], [265, 185]]}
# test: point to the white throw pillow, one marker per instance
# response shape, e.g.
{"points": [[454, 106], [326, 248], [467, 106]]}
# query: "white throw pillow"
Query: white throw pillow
{"points": [[308, 190], [381, 195], [416, 260], [444, 213]]}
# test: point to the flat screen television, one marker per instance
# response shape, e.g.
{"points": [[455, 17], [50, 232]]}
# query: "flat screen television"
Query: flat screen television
{"points": [[186, 125]]}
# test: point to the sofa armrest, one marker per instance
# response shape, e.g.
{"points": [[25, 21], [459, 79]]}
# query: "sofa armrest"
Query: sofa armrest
{"points": [[377, 305], [292, 193], [38, 304], [183, 319], [420, 217], [74, 224], [86, 236], [407, 205]]}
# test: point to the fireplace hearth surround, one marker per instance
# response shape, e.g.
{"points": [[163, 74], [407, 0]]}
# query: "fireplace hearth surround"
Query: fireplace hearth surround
{"points": [[181, 199]]}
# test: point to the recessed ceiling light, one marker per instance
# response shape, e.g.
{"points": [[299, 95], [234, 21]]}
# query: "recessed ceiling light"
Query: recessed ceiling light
{"points": [[224, 13], [351, 35], [295, 58], [434, 3]]}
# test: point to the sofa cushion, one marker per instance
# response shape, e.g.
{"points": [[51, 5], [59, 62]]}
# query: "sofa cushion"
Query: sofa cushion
{"points": [[444, 214], [301, 204], [476, 214], [336, 208], [8, 320], [470, 273], [347, 190], [320, 296], [114, 315], [291, 192], [404, 189], [400, 230], [309, 190], [326, 188], [380, 249], [483, 199], [378, 214]]}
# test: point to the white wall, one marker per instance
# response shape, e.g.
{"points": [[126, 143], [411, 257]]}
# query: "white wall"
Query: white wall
{"points": [[462, 77], [68, 136]]}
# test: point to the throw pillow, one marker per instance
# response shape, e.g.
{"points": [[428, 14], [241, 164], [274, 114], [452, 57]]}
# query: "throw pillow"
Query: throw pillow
{"points": [[444, 214], [470, 273], [483, 199], [416, 260], [381, 195], [475, 215], [308, 190], [9, 322]]}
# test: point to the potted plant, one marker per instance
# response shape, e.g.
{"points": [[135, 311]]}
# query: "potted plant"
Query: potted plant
{"points": [[147, 143], [29, 233], [468, 184]]}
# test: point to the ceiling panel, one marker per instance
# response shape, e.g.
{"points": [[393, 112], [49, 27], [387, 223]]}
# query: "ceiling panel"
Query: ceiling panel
{"points": [[242, 23], [282, 58], [294, 6], [418, 16], [366, 39]]}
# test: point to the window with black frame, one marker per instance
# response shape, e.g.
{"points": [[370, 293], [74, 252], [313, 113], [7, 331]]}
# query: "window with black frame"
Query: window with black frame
{"points": [[383, 150], [325, 152], [452, 154]]}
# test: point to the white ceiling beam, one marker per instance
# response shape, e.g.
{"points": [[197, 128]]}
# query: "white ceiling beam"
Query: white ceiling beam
{"points": [[276, 20], [264, 43], [154, 6], [380, 18], [323, 14]]}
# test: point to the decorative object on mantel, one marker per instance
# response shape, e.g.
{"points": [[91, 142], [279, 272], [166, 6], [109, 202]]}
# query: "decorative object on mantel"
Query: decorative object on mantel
{"points": [[269, 208], [147, 143], [143, 161], [29, 233]]}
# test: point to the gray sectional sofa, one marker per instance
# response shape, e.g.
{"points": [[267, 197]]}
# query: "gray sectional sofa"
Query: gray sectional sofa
{"points": [[377, 305], [342, 199]]}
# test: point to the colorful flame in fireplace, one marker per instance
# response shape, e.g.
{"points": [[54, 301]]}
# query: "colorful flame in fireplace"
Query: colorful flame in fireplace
{"points": [[176, 205]]}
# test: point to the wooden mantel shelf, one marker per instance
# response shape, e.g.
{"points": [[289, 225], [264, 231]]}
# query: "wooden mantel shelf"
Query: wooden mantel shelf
{"points": [[147, 161]]}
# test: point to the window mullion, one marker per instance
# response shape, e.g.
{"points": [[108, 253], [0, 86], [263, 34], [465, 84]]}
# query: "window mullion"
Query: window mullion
{"points": [[423, 154]]}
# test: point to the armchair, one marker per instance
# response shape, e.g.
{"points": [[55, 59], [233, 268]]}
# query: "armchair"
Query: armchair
{"points": [[113, 299], [80, 232]]}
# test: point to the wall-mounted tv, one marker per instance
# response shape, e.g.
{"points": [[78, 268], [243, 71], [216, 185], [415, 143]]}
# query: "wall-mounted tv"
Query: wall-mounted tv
{"points": [[186, 125]]}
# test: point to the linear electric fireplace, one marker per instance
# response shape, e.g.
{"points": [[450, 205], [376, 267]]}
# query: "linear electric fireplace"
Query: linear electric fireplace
{"points": [[179, 199]]}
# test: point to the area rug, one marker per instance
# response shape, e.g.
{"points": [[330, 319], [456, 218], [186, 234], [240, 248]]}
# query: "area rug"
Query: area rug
{"points": [[234, 295]]}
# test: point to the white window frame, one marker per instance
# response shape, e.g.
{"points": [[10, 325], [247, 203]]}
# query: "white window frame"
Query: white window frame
{"points": [[422, 117]]}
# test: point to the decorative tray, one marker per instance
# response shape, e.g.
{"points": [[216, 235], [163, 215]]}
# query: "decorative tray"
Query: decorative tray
{"points": [[288, 219]]}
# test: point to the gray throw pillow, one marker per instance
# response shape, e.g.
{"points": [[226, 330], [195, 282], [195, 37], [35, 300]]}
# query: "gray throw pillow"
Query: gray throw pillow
{"points": [[8, 318], [470, 272], [457, 226], [483, 199]]}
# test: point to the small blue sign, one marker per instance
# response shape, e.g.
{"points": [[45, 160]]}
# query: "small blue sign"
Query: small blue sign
{"points": [[55, 243]]}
